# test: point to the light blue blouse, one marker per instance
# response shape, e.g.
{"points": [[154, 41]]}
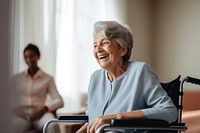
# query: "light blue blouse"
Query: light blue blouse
{"points": [[137, 88]]}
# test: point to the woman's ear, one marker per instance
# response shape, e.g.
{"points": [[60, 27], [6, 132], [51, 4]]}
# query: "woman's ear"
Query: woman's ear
{"points": [[123, 51]]}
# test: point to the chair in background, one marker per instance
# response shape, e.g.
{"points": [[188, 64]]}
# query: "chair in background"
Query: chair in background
{"points": [[191, 109]]}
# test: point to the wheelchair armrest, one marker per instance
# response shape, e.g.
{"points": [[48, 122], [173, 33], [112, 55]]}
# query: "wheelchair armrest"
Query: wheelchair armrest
{"points": [[140, 122], [73, 117], [147, 124], [66, 119]]}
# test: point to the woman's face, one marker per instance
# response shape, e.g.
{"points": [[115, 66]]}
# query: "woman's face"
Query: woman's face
{"points": [[107, 52], [31, 58]]}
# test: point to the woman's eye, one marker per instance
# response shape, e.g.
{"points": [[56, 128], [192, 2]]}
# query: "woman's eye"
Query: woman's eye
{"points": [[105, 42]]}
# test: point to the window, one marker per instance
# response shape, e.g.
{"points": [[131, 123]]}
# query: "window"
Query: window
{"points": [[62, 29]]}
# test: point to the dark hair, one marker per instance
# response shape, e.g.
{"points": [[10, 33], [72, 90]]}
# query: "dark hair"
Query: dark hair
{"points": [[33, 48]]}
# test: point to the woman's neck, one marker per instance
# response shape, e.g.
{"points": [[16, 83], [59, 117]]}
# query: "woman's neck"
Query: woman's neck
{"points": [[117, 71], [32, 70]]}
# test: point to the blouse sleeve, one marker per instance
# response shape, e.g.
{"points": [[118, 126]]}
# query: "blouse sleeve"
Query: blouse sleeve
{"points": [[159, 103], [56, 99]]}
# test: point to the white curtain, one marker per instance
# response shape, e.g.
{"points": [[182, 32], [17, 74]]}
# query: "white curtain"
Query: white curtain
{"points": [[34, 22], [62, 29]]}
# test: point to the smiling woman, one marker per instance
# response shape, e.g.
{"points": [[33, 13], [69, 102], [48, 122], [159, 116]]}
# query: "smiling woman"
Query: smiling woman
{"points": [[123, 89], [109, 48], [108, 54]]}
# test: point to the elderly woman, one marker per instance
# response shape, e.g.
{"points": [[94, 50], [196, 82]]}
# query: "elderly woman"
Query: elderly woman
{"points": [[123, 89]]}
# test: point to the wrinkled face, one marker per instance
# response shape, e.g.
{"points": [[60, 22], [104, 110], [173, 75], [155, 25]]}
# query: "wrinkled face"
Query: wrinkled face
{"points": [[107, 52], [31, 58]]}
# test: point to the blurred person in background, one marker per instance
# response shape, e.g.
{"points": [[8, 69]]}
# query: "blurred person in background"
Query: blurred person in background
{"points": [[29, 93]]}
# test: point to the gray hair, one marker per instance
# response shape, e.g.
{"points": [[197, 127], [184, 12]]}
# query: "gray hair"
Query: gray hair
{"points": [[120, 33]]}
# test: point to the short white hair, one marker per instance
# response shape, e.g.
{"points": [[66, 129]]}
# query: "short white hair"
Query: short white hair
{"points": [[120, 33]]}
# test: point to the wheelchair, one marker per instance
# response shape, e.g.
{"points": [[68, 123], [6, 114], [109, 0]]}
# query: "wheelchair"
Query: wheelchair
{"points": [[174, 89]]}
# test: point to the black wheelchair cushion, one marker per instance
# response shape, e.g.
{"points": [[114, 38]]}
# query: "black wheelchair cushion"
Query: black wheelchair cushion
{"points": [[172, 88]]}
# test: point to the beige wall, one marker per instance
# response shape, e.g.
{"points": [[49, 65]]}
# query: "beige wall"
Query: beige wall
{"points": [[176, 38], [139, 19], [167, 35]]}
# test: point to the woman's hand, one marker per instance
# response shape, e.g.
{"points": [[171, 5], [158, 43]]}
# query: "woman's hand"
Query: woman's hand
{"points": [[100, 120], [29, 113], [39, 113]]}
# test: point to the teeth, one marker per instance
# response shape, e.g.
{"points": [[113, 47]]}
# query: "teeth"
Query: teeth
{"points": [[102, 57]]}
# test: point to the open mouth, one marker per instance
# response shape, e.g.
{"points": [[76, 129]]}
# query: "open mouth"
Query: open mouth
{"points": [[103, 57]]}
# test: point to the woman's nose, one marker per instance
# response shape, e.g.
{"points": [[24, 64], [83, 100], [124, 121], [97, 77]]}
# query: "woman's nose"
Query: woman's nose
{"points": [[98, 48]]}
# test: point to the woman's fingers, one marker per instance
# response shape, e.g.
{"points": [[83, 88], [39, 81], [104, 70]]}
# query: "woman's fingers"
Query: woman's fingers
{"points": [[96, 124], [91, 127]]}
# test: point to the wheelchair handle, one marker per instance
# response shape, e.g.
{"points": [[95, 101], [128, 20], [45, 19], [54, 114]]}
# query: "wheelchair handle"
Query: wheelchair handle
{"points": [[193, 80]]}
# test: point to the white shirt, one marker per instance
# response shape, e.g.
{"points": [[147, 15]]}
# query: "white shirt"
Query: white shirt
{"points": [[32, 92]]}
